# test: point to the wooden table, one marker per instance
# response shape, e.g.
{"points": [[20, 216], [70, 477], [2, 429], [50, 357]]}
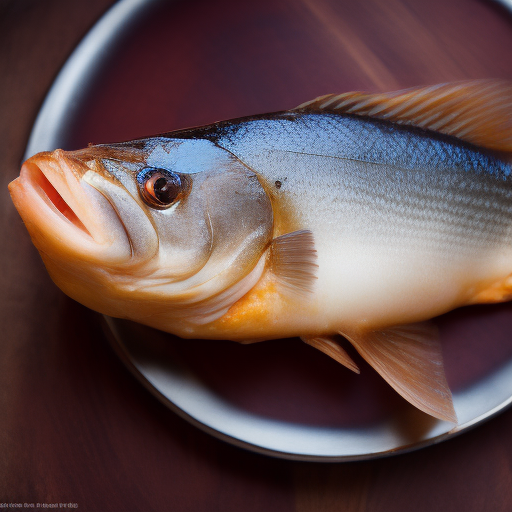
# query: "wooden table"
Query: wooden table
{"points": [[75, 426]]}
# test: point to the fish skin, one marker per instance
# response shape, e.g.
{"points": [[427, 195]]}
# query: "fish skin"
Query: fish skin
{"points": [[349, 137], [425, 198], [300, 223]]}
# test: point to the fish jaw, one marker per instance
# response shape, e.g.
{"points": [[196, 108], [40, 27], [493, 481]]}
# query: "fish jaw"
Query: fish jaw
{"points": [[65, 217]]}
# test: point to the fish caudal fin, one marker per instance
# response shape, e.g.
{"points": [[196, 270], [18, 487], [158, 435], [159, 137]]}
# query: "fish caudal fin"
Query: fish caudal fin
{"points": [[478, 111], [409, 358], [332, 348]]}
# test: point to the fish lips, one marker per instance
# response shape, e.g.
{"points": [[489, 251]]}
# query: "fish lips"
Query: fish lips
{"points": [[64, 215]]}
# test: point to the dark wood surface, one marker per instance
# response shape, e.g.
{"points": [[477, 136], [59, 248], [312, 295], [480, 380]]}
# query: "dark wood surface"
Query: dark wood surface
{"points": [[75, 426]]}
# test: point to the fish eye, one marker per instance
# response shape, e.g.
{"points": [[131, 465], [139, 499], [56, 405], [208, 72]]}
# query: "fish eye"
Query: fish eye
{"points": [[159, 188]]}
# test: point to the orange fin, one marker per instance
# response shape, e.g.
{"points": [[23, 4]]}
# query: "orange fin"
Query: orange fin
{"points": [[293, 261], [409, 358], [332, 348], [479, 112]]}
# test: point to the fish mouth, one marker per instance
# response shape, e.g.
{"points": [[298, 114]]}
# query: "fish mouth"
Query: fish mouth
{"points": [[61, 211], [51, 196]]}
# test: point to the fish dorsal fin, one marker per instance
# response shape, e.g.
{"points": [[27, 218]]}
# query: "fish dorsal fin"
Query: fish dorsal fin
{"points": [[329, 346], [293, 261], [479, 111], [409, 358]]}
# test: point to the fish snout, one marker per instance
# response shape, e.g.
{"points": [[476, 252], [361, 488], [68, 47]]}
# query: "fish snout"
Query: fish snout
{"points": [[64, 215]]}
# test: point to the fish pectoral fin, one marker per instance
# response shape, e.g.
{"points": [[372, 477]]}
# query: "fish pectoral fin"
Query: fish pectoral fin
{"points": [[329, 346], [293, 261], [409, 358], [477, 111]]}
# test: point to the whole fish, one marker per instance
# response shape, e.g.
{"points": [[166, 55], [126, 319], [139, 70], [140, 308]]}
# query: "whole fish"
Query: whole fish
{"points": [[357, 214]]}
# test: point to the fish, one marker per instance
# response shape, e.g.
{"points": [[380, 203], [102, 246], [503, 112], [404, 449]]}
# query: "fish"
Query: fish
{"points": [[354, 217]]}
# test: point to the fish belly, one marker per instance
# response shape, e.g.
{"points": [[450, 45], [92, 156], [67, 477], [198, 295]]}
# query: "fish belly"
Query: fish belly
{"points": [[400, 247]]}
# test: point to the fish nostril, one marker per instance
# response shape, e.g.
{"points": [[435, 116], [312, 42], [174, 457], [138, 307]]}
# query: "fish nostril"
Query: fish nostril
{"points": [[52, 196]]}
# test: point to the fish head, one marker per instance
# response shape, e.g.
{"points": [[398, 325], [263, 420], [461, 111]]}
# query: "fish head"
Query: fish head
{"points": [[154, 230]]}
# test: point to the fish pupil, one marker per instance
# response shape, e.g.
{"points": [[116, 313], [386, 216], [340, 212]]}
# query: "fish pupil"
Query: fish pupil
{"points": [[165, 190]]}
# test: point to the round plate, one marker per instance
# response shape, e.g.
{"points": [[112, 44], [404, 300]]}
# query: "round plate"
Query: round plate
{"points": [[148, 67]]}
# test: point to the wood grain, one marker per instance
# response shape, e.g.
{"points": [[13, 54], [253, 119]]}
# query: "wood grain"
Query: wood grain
{"points": [[75, 426]]}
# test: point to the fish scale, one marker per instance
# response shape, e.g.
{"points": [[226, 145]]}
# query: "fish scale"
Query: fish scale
{"points": [[346, 136], [453, 164]]}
